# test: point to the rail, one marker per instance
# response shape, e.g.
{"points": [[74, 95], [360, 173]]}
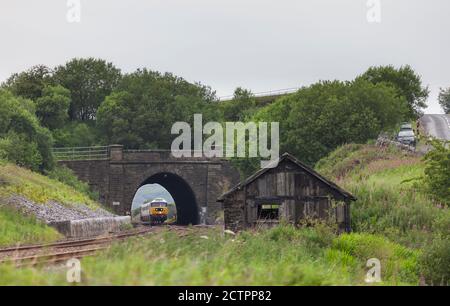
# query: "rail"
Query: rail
{"points": [[271, 93], [81, 153]]}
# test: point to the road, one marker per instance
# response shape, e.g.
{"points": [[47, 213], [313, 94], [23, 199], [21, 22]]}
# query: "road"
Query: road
{"points": [[437, 126]]}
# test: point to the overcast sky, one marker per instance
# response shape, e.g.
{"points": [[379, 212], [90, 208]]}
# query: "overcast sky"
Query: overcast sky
{"points": [[257, 44]]}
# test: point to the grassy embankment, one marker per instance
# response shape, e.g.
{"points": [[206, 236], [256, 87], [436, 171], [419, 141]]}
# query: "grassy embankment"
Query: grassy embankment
{"points": [[393, 221], [17, 228]]}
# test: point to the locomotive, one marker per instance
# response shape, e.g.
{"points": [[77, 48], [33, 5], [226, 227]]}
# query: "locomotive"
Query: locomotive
{"points": [[155, 212]]}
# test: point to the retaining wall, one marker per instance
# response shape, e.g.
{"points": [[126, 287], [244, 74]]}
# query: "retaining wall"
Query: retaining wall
{"points": [[91, 227]]}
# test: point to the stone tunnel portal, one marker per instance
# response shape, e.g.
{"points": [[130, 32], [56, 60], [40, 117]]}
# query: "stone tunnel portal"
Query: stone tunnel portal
{"points": [[182, 194]]}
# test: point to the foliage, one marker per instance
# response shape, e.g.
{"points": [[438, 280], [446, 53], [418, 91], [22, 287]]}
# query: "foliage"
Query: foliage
{"points": [[407, 82], [67, 177], [240, 108], [20, 126], [436, 262], [319, 118], [29, 84], [141, 112], [437, 170], [76, 134], [444, 99], [41, 189], [15, 227], [89, 81], [15, 148], [52, 107], [280, 256]]}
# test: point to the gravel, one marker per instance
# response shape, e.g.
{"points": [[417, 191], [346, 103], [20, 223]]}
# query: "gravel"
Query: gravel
{"points": [[55, 212]]}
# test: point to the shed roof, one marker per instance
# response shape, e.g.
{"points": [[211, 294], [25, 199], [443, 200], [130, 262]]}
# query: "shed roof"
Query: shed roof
{"points": [[287, 156]]}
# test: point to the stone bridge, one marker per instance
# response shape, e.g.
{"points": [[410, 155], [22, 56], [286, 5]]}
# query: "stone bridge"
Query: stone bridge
{"points": [[194, 183]]}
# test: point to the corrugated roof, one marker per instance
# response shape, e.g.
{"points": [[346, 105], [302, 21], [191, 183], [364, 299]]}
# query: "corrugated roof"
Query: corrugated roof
{"points": [[287, 156]]}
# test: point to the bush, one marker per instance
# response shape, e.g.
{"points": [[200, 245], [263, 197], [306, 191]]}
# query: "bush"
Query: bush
{"points": [[66, 176], [18, 150], [437, 171], [435, 262]]}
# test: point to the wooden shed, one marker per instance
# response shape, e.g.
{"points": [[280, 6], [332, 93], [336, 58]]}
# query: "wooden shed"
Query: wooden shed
{"points": [[290, 191]]}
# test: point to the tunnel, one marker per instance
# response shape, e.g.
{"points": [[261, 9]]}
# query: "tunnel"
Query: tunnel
{"points": [[182, 194]]}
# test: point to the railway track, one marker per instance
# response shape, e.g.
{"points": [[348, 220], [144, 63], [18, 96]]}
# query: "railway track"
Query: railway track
{"points": [[31, 255], [58, 252]]}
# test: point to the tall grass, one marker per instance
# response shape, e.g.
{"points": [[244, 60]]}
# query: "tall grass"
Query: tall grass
{"points": [[39, 188], [15, 228], [280, 256]]}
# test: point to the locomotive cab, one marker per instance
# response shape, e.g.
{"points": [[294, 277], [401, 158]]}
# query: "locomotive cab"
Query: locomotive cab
{"points": [[155, 212]]}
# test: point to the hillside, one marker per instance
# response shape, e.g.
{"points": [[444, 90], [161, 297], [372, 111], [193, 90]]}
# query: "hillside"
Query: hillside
{"points": [[29, 200], [394, 220]]}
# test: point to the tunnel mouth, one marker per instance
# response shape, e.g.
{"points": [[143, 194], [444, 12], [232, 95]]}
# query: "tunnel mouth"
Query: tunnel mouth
{"points": [[182, 194]]}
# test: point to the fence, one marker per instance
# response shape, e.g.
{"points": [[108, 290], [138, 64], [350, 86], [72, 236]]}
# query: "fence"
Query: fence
{"points": [[81, 153], [279, 92]]}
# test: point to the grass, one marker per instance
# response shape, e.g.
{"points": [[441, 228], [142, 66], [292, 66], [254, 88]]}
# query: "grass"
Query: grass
{"points": [[391, 201], [394, 220], [39, 188], [280, 256], [15, 227], [18, 228]]}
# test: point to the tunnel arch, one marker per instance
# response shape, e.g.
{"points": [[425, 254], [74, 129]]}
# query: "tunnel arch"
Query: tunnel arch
{"points": [[182, 194]]}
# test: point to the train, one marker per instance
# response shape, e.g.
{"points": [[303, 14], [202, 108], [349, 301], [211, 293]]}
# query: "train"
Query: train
{"points": [[155, 212]]}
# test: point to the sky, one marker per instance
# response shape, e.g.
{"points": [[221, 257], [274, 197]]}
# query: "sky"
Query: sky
{"points": [[261, 45]]}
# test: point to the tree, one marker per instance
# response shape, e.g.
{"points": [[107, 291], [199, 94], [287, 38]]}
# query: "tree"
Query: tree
{"points": [[317, 119], [240, 107], [141, 112], [53, 106], [444, 99], [29, 84], [89, 81], [407, 82], [76, 134], [20, 131]]}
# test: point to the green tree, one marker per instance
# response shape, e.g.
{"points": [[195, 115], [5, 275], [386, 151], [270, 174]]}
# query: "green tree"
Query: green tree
{"points": [[406, 81], [89, 81], [444, 99], [242, 106], [53, 106], [76, 134], [140, 113], [20, 127], [29, 84], [319, 118]]}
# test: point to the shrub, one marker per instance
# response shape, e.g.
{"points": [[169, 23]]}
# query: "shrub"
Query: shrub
{"points": [[435, 262], [20, 151], [437, 171], [66, 176]]}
